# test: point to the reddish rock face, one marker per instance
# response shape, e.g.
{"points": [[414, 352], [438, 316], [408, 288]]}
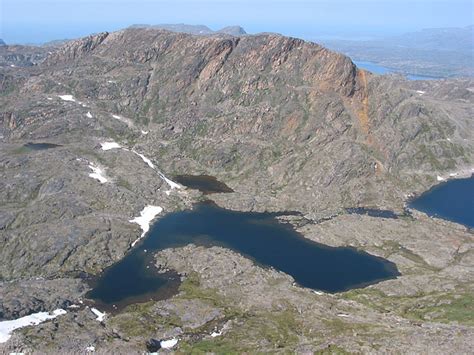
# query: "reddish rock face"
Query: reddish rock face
{"points": [[286, 124]]}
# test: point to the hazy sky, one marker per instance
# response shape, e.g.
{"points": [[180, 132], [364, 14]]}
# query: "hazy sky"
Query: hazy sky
{"points": [[37, 21]]}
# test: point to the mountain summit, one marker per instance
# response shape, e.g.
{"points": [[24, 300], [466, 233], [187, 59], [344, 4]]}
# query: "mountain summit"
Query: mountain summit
{"points": [[194, 29], [93, 134]]}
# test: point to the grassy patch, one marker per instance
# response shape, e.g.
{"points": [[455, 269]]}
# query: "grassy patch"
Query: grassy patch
{"points": [[332, 349], [446, 309], [249, 332], [215, 346], [139, 320], [437, 307]]}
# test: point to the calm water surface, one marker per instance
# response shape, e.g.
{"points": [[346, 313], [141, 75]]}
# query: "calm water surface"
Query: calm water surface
{"points": [[452, 200], [40, 146], [258, 236], [204, 183], [378, 69]]}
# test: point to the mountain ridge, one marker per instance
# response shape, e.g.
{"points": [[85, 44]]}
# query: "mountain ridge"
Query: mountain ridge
{"points": [[194, 29], [289, 126], [212, 78]]}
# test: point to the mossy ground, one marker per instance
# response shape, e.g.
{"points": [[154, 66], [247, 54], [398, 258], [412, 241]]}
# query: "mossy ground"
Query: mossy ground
{"points": [[456, 307]]}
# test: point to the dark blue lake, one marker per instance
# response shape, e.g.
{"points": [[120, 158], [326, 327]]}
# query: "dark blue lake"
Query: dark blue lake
{"points": [[378, 69], [204, 183], [452, 200], [259, 236]]}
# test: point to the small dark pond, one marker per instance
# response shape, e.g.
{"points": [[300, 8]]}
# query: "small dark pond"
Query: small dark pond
{"points": [[40, 146], [259, 236], [452, 200], [372, 212], [204, 183]]}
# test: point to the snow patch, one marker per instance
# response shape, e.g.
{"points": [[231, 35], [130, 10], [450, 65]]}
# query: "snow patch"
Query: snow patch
{"points": [[440, 178], [110, 145], [90, 349], [146, 216], [89, 115], [97, 173], [99, 314], [122, 119], [172, 184], [146, 160], [67, 98], [8, 326], [216, 334], [420, 92], [145, 132], [168, 344]]}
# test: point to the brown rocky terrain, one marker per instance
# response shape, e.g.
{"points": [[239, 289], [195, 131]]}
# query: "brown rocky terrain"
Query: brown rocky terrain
{"points": [[288, 125]]}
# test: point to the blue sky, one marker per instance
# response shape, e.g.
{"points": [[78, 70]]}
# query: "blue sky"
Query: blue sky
{"points": [[36, 21]]}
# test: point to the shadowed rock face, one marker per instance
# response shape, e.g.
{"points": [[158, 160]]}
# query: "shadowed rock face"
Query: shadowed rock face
{"points": [[310, 116], [21, 56], [288, 125]]}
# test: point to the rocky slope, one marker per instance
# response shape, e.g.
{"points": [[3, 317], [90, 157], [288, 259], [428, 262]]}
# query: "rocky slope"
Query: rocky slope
{"points": [[226, 100], [21, 56], [288, 125]]}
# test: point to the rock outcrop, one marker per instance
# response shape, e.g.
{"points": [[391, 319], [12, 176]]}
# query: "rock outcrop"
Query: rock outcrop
{"points": [[288, 125]]}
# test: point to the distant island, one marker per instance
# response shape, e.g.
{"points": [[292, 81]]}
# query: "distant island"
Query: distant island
{"points": [[195, 29], [438, 52]]}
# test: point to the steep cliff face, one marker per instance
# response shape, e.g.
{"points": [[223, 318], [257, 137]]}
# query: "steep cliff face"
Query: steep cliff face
{"points": [[318, 126], [288, 125]]}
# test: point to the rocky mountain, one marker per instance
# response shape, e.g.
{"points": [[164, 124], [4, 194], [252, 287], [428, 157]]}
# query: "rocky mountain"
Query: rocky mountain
{"points": [[233, 30], [22, 56], [2, 42], [55, 43], [195, 29], [289, 126]]}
